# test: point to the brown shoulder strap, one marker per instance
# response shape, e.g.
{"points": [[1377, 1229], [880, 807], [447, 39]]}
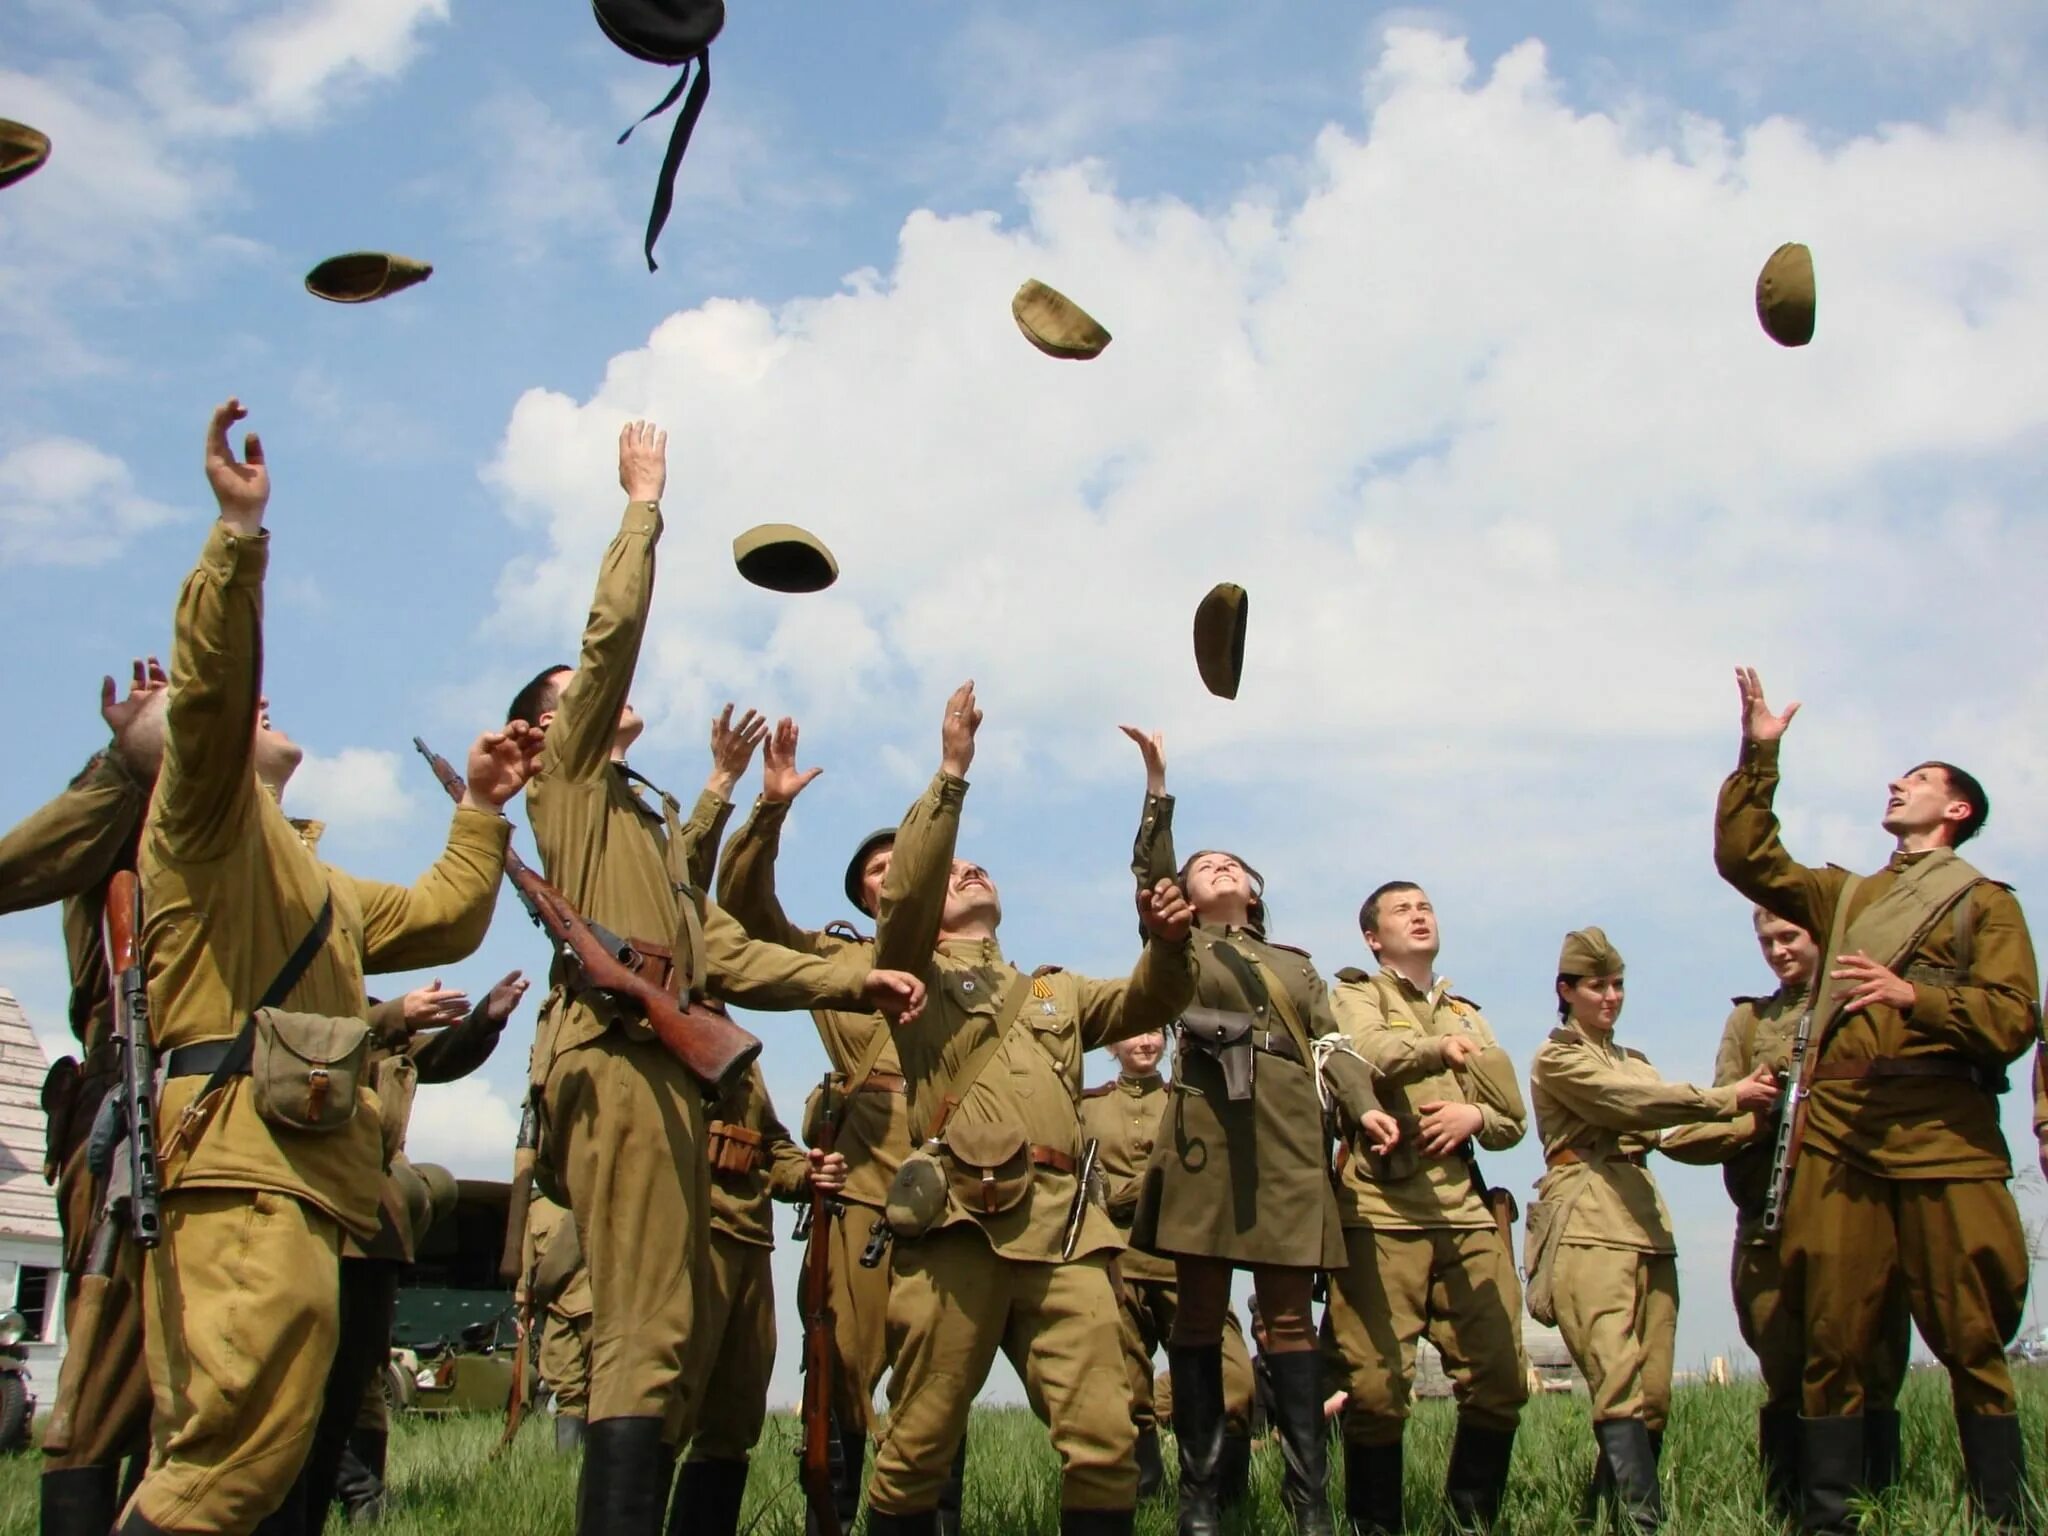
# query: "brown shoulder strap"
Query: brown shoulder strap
{"points": [[1007, 1014]]}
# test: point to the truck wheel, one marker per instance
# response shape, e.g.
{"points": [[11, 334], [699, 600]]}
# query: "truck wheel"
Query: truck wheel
{"points": [[400, 1391], [15, 1407]]}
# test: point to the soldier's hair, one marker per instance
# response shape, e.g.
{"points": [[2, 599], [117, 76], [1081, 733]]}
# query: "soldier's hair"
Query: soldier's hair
{"points": [[1757, 914], [1369, 914], [1564, 1009], [538, 696], [1963, 786]]}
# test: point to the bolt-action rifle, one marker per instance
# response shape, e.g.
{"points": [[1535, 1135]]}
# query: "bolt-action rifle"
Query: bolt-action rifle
{"points": [[820, 1444]]}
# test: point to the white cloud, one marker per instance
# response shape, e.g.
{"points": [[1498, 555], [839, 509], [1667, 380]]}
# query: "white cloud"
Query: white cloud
{"points": [[466, 1125], [356, 789], [64, 502], [293, 62]]}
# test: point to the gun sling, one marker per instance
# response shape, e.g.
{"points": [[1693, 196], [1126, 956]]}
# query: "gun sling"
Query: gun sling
{"points": [[230, 1057]]}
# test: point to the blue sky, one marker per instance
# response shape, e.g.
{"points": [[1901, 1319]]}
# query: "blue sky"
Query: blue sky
{"points": [[1433, 329]]}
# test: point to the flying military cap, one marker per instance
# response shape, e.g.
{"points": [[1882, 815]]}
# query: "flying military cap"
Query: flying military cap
{"points": [[1784, 296], [1586, 952], [22, 151], [855, 866], [1055, 324], [361, 276], [784, 558], [1219, 638]]}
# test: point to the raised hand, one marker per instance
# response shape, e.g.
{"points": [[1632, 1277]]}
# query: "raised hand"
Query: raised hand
{"points": [[433, 1004], [137, 721], [500, 763], [897, 995], [1758, 723], [780, 779], [1153, 748], [643, 461], [1165, 913], [504, 997], [1759, 1090], [956, 735], [242, 489], [732, 748]]}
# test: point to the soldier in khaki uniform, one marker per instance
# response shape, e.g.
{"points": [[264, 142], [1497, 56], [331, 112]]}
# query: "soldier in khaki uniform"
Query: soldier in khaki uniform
{"points": [[1240, 1175], [989, 1273], [622, 1121], [1427, 1255], [1929, 992], [1599, 1238], [1760, 1031], [564, 1354], [1123, 1118], [68, 851], [873, 1132], [241, 1300]]}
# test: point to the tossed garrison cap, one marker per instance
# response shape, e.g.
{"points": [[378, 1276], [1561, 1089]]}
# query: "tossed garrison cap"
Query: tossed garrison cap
{"points": [[361, 276], [784, 558], [1785, 300], [1219, 638], [883, 838], [22, 151], [1055, 324], [1586, 952]]}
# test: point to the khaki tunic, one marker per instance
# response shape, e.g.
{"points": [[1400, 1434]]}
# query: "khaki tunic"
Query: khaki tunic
{"points": [[1245, 1180], [69, 850], [1901, 1180], [979, 1282], [622, 1121], [253, 1215]]}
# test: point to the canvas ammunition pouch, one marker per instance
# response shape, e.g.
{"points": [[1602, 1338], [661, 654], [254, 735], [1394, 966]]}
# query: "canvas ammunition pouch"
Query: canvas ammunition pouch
{"points": [[988, 1167], [305, 1069], [1540, 1242], [733, 1149]]}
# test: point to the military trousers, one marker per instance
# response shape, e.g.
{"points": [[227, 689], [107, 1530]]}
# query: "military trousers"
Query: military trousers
{"points": [[1957, 1246], [1145, 1314], [735, 1345], [955, 1302], [1456, 1286], [241, 1310], [624, 1139], [1617, 1309], [860, 1317], [1770, 1321], [564, 1362]]}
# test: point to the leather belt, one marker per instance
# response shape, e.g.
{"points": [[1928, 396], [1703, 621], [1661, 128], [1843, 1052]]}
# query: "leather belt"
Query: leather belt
{"points": [[1952, 1068], [884, 1082], [199, 1059], [1276, 1042], [1565, 1156], [1053, 1158]]}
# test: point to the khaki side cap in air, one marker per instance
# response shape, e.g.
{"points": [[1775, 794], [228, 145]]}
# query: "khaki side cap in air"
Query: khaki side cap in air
{"points": [[1055, 324], [1219, 638], [1785, 299], [23, 150], [361, 276], [784, 558]]}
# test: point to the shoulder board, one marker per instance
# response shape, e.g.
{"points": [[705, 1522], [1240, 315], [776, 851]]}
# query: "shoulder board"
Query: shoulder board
{"points": [[1292, 949], [1099, 1091], [1634, 1055], [1047, 970], [1352, 973], [1745, 1002], [1564, 1036], [1841, 869], [840, 928], [1461, 1004]]}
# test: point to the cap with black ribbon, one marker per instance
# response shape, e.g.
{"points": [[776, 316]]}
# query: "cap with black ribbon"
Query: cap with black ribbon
{"points": [[667, 32]]}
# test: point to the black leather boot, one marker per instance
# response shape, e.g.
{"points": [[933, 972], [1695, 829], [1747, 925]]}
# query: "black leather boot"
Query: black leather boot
{"points": [[1777, 1453], [1372, 1488], [1151, 1470], [135, 1525], [568, 1432], [623, 1490], [80, 1501], [1095, 1522], [1304, 1440], [1995, 1467], [359, 1480], [1198, 1427], [1880, 1449], [1234, 1473], [1631, 1457], [1599, 1489], [954, 1494], [1830, 1472], [924, 1523], [290, 1518], [707, 1498], [1478, 1476]]}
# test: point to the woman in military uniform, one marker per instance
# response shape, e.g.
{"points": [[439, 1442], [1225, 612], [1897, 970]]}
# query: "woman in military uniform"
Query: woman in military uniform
{"points": [[1239, 1176], [1601, 1254]]}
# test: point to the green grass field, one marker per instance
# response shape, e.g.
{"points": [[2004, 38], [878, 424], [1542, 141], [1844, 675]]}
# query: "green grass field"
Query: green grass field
{"points": [[442, 1484]]}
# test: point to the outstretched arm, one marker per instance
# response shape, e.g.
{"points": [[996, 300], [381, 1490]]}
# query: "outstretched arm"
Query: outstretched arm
{"points": [[1160, 986], [1152, 852], [913, 903], [746, 872], [1747, 850]]}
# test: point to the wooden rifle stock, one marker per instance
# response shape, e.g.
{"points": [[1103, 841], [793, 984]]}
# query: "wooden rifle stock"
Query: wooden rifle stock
{"points": [[710, 1046], [819, 1441], [512, 1261]]}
